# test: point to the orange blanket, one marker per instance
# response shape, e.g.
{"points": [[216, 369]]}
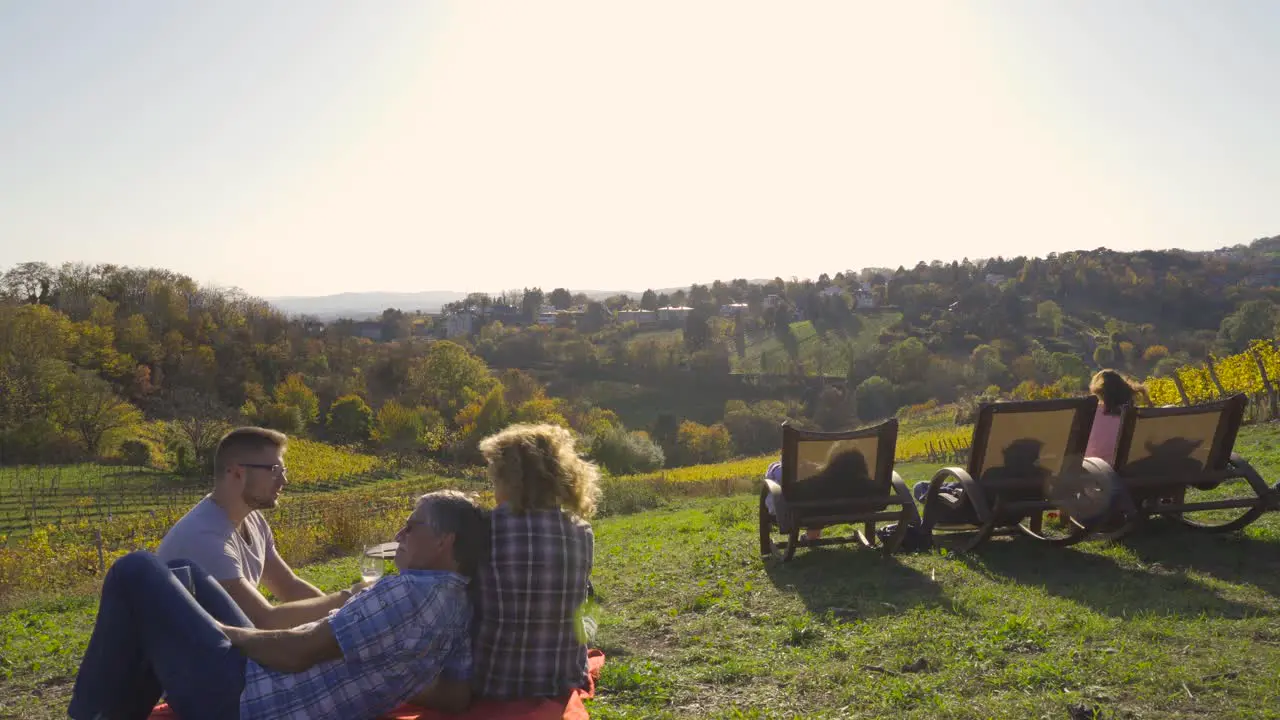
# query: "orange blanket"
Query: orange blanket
{"points": [[570, 708]]}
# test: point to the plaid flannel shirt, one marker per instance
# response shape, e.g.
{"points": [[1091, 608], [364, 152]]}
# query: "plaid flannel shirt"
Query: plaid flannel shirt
{"points": [[396, 638], [528, 639]]}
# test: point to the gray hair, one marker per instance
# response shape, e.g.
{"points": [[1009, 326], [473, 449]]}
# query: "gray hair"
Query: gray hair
{"points": [[455, 513]]}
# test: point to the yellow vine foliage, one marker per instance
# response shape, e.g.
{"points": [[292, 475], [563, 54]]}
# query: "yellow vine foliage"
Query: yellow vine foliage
{"points": [[307, 528], [1238, 373], [312, 462]]}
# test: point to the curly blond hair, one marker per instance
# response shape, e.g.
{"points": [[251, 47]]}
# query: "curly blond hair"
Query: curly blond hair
{"points": [[535, 467]]}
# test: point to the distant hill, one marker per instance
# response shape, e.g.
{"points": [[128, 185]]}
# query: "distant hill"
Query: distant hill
{"points": [[361, 305]]}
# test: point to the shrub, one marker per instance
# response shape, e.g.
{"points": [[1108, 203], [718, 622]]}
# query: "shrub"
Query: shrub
{"points": [[875, 398], [697, 443], [287, 419], [623, 497], [350, 419], [136, 453], [624, 453], [38, 440], [405, 430], [295, 393], [755, 428]]}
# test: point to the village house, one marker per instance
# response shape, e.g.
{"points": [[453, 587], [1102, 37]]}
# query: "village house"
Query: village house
{"points": [[459, 324], [864, 298], [639, 317], [673, 315]]}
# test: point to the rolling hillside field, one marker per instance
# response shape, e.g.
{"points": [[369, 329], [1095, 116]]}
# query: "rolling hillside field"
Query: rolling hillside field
{"points": [[1166, 624]]}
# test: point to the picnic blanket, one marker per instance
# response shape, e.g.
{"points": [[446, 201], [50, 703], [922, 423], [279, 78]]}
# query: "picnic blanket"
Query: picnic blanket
{"points": [[570, 708]]}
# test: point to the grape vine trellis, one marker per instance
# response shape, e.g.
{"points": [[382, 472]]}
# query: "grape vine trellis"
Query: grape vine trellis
{"points": [[1254, 372]]}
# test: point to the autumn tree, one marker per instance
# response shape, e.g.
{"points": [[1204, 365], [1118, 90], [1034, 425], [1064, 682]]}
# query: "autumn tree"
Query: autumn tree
{"points": [[593, 420], [531, 304], [350, 419], [560, 299], [520, 386], [88, 407], [986, 365], [697, 330], [29, 282], [482, 416], [1103, 356], [875, 398], [287, 419], [1253, 320], [1050, 316], [907, 361], [594, 319], [446, 378], [538, 410], [754, 426], [30, 334], [699, 444], [293, 392], [196, 423], [404, 430]]}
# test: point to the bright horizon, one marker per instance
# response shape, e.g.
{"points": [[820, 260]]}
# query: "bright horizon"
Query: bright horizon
{"points": [[309, 149]]}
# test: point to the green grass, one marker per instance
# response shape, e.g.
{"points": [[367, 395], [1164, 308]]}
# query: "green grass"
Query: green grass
{"points": [[70, 492], [663, 336], [1168, 624], [81, 476], [696, 626], [819, 354], [639, 406]]}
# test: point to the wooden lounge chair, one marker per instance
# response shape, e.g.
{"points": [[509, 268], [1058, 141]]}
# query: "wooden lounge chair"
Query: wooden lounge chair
{"points": [[828, 479], [1164, 455], [1026, 462]]}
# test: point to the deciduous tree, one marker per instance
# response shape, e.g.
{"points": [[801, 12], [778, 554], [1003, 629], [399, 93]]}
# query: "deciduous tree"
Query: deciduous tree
{"points": [[88, 407]]}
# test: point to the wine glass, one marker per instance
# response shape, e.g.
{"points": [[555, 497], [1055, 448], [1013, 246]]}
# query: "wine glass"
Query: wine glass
{"points": [[371, 568]]}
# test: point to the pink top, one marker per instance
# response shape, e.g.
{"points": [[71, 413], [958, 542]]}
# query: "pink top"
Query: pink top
{"points": [[1104, 435]]}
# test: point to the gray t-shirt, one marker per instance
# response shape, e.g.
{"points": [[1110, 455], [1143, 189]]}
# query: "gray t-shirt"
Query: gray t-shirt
{"points": [[205, 536]]}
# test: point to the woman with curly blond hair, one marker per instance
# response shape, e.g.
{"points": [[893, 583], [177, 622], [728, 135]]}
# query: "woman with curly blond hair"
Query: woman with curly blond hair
{"points": [[529, 639]]}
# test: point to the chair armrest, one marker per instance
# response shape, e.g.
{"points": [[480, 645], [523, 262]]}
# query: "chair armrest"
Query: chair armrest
{"points": [[904, 496]]}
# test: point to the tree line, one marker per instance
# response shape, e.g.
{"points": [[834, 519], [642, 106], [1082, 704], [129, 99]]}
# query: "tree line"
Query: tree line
{"points": [[101, 360]]}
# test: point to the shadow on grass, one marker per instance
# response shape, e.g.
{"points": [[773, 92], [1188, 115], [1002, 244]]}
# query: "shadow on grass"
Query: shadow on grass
{"points": [[1232, 557], [1102, 583], [855, 583]]}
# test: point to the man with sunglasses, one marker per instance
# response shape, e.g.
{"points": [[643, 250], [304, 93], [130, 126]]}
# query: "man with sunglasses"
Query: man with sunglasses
{"points": [[407, 631], [226, 535]]}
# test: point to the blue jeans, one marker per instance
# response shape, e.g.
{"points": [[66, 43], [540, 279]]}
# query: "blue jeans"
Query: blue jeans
{"points": [[152, 636]]}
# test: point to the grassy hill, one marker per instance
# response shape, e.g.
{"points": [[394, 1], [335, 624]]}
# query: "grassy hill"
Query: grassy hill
{"points": [[696, 625], [639, 405], [820, 354]]}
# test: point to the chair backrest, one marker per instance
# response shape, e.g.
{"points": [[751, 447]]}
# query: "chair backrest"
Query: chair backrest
{"points": [[1179, 442], [1038, 439], [857, 463]]}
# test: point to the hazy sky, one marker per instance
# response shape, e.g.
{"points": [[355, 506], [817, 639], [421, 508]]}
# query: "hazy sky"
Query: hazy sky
{"points": [[313, 147]]}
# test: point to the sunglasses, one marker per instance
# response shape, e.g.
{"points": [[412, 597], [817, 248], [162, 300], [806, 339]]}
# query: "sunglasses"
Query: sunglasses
{"points": [[276, 469]]}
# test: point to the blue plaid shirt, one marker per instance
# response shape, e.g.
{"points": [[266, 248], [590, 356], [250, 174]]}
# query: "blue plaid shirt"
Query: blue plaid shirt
{"points": [[396, 638]]}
